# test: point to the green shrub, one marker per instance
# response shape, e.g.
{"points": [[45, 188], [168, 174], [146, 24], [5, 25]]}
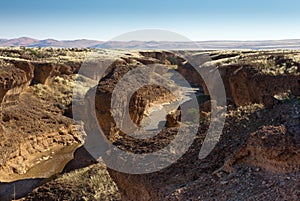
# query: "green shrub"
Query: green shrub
{"points": [[35, 53], [192, 116], [172, 60]]}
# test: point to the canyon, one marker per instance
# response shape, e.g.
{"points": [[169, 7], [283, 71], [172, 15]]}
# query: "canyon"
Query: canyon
{"points": [[44, 150]]}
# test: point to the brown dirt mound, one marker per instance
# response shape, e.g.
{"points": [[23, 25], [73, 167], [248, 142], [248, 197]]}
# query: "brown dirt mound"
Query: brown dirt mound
{"points": [[271, 148]]}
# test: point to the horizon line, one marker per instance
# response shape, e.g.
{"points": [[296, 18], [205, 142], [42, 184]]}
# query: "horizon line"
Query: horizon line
{"points": [[191, 41]]}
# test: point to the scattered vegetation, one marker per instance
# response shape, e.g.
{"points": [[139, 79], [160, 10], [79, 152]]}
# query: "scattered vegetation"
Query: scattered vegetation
{"points": [[90, 183], [36, 52]]}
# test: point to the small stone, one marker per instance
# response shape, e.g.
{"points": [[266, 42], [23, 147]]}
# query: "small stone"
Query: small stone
{"points": [[257, 169], [224, 182], [288, 178], [264, 182]]}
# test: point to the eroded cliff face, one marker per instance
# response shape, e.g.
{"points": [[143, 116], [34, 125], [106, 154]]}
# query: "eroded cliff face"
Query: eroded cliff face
{"points": [[13, 80], [18, 73], [252, 77], [37, 139], [139, 103]]}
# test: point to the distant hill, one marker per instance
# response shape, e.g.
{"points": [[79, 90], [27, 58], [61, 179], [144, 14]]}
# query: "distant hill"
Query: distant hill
{"points": [[67, 43], [30, 42], [24, 41], [83, 43]]}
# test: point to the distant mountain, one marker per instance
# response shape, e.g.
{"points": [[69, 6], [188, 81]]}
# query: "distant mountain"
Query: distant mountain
{"points": [[24, 41], [30, 42], [207, 45], [66, 43]]}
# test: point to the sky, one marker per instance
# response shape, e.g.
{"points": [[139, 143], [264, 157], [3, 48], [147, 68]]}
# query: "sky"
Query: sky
{"points": [[198, 20]]}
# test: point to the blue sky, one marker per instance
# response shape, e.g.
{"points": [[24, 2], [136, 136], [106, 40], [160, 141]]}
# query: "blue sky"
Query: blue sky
{"points": [[195, 19]]}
